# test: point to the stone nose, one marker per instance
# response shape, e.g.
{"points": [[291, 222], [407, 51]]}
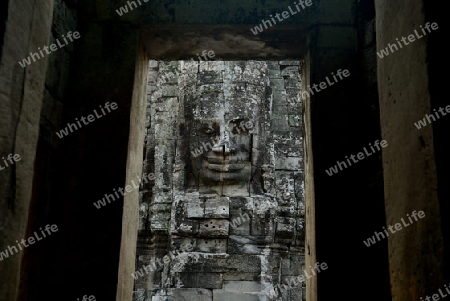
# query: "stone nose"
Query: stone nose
{"points": [[223, 145]]}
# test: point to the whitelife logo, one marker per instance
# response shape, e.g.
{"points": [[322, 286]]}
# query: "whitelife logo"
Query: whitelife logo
{"points": [[124, 9], [86, 298], [12, 159], [423, 122], [31, 240], [411, 38], [437, 297], [185, 248], [295, 281], [128, 188], [27, 61], [371, 241], [360, 155], [90, 118], [323, 85]]}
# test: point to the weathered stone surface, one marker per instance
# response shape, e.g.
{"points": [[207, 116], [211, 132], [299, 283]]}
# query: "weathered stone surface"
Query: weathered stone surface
{"points": [[203, 280], [195, 209], [186, 294], [221, 295], [211, 245], [213, 228], [217, 208], [210, 139]]}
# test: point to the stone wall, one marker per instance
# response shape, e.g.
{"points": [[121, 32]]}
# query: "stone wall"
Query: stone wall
{"points": [[245, 229], [410, 86], [27, 27], [47, 175]]}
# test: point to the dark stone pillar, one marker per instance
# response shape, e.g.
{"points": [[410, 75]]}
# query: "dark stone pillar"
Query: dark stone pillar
{"points": [[94, 162], [348, 205], [416, 165], [26, 26]]}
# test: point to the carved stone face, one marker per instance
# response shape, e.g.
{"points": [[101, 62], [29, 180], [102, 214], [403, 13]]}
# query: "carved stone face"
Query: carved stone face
{"points": [[224, 152]]}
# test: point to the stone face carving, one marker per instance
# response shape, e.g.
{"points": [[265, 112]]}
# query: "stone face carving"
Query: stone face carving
{"points": [[225, 156], [225, 145]]}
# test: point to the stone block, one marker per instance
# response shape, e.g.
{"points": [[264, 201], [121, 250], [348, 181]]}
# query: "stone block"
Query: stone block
{"points": [[203, 280], [261, 207], [296, 294], [238, 90], [153, 77], [240, 224], [209, 107], [212, 245], [206, 89], [242, 286], [236, 190], [214, 227], [295, 104], [186, 228], [179, 243], [293, 63], [258, 226], [285, 228], [167, 78], [290, 163], [244, 245], [142, 261], [290, 71], [222, 263], [244, 263], [195, 209], [216, 66], [279, 97], [239, 276], [170, 91], [287, 210], [217, 207], [279, 110], [158, 223], [161, 198], [257, 88], [161, 298], [152, 64], [277, 83], [274, 73], [295, 120], [285, 184], [159, 216], [221, 295], [213, 263], [143, 216], [289, 150], [192, 294], [292, 83], [291, 265], [210, 77], [273, 64], [293, 95]]}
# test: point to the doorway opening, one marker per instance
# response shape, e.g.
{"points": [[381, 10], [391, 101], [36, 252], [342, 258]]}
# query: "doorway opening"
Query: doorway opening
{"points": [[222, 210]]}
